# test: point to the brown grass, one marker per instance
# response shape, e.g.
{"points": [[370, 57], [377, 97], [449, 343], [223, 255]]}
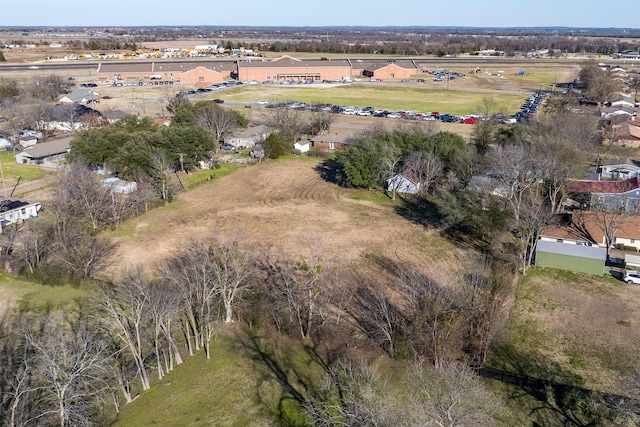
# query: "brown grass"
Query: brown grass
{"points": [[281, 207]]}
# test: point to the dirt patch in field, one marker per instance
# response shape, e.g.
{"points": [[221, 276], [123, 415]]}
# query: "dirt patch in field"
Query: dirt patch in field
{"points": [[282, 207]]}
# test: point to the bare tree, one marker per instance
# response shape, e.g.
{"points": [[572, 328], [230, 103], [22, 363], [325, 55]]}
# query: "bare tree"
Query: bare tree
{"points": [[162, 176], [126, 308], [78, 195], [193, 272], [79, 253], [164, 310], [377, 316], [320, 122], [70, 366], [425, 168], [607, 217], [217, 121], [435, 323], [450, 396], [390, 161], [535, 215], [289, 123], [34, 244], [352, 395], [517, 170], [303, 286], [233, 270], [485, 291]]}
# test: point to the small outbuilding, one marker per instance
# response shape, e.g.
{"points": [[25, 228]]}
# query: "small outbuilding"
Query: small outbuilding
{"points": [[571, 257]]}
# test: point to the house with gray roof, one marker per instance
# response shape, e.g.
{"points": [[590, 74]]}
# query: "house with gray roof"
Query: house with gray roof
{"points": [[48, 152], [79, 96], [248, 137]]}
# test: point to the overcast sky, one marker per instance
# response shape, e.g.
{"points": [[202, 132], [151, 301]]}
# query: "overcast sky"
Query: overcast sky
{"points": [[466, 13]]}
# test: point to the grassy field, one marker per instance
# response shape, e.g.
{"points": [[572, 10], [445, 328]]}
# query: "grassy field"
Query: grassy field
{"points": [[236, 387], [11, 170], [572, 329], [392, 98], [16, 292]]}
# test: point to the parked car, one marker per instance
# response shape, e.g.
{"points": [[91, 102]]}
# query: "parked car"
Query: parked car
{"points": [[227, 147], [262, 102], [632, 278], [218, 101], [469, 121]]}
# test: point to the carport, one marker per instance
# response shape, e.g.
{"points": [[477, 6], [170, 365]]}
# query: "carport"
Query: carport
{"points": [[632, 262]]}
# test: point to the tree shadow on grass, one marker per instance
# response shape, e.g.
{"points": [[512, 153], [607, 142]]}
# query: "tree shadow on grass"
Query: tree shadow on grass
{"points": [[328, 171], [286, 372], [559, 397], [418, 211]]}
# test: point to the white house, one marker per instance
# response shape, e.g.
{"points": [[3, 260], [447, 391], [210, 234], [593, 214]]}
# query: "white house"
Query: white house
{"points": [[79, 96], [15, 211], [248, 137], [618, 170], [403, 184], [119, 186], [623, 101]]}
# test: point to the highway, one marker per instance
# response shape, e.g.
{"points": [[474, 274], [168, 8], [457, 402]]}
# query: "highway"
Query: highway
{"points": [[435, 62]]}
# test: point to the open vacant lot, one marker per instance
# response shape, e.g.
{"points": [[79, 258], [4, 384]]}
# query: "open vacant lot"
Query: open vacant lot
{"points": [[285, 207]]}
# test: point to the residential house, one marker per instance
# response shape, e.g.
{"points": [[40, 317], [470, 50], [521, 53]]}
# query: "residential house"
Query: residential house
{"points": [[72, 117], [248, 137], [15, 211], [404, 183], [45, 153], [5, 144], [627, 134], [608, 112], [331, 141], [488, 184], [622, 101], [119, 186], [609, 194], [619, 169], [79, 96], [586, 230]]}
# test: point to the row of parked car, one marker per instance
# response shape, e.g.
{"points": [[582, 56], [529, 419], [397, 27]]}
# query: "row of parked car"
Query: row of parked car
{"points": [[529, 107], [212, 88]]}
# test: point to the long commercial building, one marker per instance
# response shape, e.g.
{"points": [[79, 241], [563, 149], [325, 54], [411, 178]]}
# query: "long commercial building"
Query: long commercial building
{"points": [[285, 68]]}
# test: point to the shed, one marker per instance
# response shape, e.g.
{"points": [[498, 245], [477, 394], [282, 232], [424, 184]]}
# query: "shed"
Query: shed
{"points": [[302, 146], [576, 258]]}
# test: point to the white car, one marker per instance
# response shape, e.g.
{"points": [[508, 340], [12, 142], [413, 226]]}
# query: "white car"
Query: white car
{"points": [[632, 278], [262, 102], [34, 67]]}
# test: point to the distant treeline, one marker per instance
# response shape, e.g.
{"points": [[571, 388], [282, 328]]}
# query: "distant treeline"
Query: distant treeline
{"points": [[360, 40]]}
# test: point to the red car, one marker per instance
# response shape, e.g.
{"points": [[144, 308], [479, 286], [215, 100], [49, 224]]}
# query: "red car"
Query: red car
{"points": [[469, 121]]}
